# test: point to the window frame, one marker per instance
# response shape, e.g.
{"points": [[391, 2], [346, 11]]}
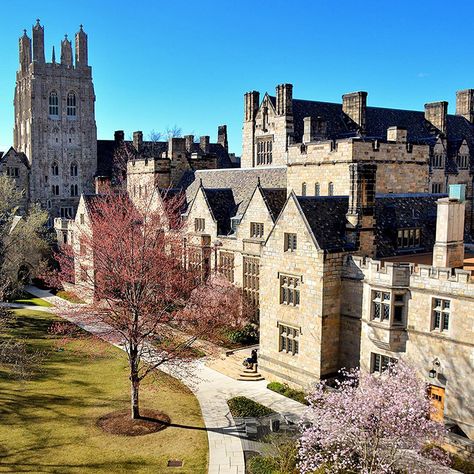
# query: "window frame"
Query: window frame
{"points": [[413, 236], [53, 105], [290, 242], [257, 230], [71, 105], [330, 188], [199, 224], [290, 290], [380, 362], [444, 312], [288, 338], [74, 169]]}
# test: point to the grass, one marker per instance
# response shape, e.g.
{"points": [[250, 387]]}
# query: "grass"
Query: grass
{"points": [[28, 299], [48, 424], [242, 407], [68, 296], [287, 391]]}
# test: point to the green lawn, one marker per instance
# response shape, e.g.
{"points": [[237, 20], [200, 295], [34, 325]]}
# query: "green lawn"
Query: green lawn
{"points": [[28, 299], [48, 425]]}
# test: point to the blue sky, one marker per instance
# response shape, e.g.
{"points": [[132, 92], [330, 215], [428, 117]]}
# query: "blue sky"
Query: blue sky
{"points": [[161, 63]]}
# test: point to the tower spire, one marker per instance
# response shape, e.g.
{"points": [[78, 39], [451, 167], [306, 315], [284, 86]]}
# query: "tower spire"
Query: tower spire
{"points": [[53, 57], [81, 48], [66, 52], [38, 42], [25, 51]]}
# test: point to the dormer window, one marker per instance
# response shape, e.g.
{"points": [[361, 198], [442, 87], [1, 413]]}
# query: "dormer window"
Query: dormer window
{"points": [[463, 162], [53, 104], [71, 105], [408, 238], [437, 161]]}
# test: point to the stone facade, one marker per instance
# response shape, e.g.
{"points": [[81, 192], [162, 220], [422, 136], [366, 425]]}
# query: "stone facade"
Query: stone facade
{"points": [[55, 122]]}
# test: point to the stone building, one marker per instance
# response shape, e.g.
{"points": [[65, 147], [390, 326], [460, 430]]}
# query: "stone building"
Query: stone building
{"points": [[56, 155], [333, 228], [55, 121]]}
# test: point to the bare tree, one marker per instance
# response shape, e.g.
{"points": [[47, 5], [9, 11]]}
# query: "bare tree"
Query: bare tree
{"points": [[132, 259]]}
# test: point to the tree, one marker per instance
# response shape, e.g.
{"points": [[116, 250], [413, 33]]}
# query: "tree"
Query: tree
{"points": [[133, 261], [24, 239], [365, 425]]}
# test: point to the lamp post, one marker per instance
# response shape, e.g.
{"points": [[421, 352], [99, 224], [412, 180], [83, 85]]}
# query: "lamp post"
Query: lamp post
{"points": [[435, 367]]}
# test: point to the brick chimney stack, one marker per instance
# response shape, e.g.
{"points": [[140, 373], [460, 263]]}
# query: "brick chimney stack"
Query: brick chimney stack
{"points": [[448, 251], [354, 105], [436, 113], [465, 104]]}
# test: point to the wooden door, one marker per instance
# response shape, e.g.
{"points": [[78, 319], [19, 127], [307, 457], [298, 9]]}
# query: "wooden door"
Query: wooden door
{"points": [[436, 395]]}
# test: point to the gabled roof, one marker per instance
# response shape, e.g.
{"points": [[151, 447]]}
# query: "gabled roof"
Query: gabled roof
{"points": [[242, 181], [275, 199], [19, 154], [326, 216], [222, 206]]}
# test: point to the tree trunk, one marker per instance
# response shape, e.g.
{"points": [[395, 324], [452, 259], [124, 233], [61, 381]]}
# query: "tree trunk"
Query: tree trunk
{"points": [[135, 387]]}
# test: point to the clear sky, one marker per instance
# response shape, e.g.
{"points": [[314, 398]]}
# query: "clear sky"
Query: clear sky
{"points": [[160, 63]]}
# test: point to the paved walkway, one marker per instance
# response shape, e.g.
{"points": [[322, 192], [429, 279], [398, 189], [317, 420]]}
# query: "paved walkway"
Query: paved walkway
{"points": [[212, 389]]}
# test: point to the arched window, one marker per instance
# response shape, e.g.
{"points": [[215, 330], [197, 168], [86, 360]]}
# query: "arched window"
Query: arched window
{"points": [[71, 104], [317, 189], [55, 169], [55, 189], [53, 104], [74, 190], [73, 169], [303, 189], [331, 189]]}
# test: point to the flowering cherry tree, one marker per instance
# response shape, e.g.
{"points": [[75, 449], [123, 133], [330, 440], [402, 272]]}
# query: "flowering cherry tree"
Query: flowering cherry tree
{"points": [[144, 294], [365, 425]]}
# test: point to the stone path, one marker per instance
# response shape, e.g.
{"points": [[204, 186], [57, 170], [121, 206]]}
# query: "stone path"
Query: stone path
{"points": [[212, 389]]}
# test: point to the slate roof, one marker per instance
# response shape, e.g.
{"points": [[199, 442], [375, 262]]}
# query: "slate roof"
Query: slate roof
{"points": [[222, 204], [19, 154], [275, 199], [150, 149], [241, 181], [378, 119], [326, 216]]}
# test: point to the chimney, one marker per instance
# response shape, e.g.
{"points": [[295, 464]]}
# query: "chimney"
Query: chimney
{"points": [[284, 99], [222, 136], [138, 140], [189, 142], [251, 105], [360, 216], [204, 143], [435, 113], [354, 105], [314, 129], [397, 134], [119, 136], [465, 104], [448, 251]]}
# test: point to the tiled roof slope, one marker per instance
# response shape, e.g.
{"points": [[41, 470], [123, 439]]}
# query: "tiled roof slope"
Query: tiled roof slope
{"points": [[326, 216], [222, 204], [378, 119], [275, 199], [242, 181]]}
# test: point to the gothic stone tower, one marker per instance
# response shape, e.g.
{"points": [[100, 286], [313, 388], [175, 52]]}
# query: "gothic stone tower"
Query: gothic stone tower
{"points": [[55, 122]]}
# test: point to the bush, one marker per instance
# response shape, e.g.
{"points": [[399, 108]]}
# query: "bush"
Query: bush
{"points": [[261, 465], [281, 457], [242, 407], [462, 465], [247, 335], [284, 389]]}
